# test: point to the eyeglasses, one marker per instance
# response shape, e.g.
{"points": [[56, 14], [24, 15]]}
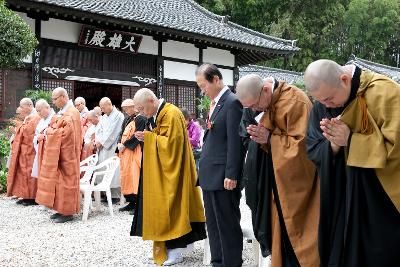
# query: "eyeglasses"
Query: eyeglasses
{"points": [[255, 105]]}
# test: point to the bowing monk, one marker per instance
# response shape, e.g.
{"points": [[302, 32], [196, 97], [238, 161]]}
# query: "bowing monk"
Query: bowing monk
{"points": [[20, 183], [130, 153], [169, 210], [88, 147], [291, 184], [15, 123], [107, 134], [58, 183], [354, 140], [46, 114]]}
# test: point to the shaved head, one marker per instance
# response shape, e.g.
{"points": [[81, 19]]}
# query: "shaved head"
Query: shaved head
{"points": [[97, 109], [41, 103], [328, 82], [105, 100], [92, 114], [146, 102], [249, 86], [322, 71], [60, 91], [26, 106], [254, 92], [143, 95], [59, 97], [127, 103], [93, 117], [26, 102], [43, 108], [106, 105]]}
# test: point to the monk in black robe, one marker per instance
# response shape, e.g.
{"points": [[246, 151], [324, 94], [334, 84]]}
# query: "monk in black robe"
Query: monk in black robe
{"points": [[359, 223]]}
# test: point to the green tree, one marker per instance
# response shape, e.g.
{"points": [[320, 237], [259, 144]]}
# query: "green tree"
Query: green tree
{"points": [[373, 28], [16, 38]]}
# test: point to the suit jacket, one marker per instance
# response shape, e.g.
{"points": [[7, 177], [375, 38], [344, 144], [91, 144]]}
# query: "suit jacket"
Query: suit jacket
{"points": [[223, 152]]}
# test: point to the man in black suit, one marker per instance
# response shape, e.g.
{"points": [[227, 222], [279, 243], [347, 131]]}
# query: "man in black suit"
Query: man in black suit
{"points": [[220, 169]]}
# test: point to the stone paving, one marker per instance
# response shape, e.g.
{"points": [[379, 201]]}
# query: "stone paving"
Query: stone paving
{"points": [[29, 238]]}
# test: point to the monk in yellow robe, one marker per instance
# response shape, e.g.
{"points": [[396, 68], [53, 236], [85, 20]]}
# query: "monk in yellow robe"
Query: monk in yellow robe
{"points": [[58, 183], [292, 186], [20, 183], [169, 210], [354, 139], [129, 150]]}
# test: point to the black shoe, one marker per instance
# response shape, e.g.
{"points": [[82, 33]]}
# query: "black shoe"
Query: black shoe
{"points": [[128, 207], [20, 201], [29, 202], [55, 216], [64, 219]]}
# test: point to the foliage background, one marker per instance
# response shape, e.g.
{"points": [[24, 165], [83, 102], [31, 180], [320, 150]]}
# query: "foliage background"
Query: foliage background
{"points": [[17, 41], [332, 29]]}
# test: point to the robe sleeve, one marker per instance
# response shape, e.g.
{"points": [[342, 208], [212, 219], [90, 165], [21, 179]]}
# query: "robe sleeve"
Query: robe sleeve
{"points": [[168, 143], [108, 137], [133, 142]]}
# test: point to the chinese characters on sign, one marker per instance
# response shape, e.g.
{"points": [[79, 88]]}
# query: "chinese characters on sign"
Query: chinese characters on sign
{"points": [[109, 40], [36, 70]]}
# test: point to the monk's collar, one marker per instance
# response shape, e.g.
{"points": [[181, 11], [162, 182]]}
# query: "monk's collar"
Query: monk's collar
{"points": [[69, 104]]}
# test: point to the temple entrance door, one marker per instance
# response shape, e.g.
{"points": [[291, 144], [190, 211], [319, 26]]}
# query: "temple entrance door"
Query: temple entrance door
{"points": [[93, 92]]}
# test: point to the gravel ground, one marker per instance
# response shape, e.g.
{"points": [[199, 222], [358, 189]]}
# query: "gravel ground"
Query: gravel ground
{"points": [[29, 238]]}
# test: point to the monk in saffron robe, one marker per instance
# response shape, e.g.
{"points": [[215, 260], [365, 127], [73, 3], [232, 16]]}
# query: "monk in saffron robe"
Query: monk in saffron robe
{"points": [[80, 104], [20, 183], [170, 210], [354, 140], [15, 123], [59, 175], [130, 154], [291, 181]]}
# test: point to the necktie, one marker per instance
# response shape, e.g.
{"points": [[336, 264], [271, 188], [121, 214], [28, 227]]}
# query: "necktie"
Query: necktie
{"points": [[212, 106]]}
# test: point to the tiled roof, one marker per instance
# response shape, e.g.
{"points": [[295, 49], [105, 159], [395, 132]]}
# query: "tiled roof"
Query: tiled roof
{"points": [[182, 15], [389, 71], [264, 72]]}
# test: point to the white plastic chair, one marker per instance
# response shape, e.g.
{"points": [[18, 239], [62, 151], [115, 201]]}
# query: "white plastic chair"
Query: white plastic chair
{"points": [[106, 169], [86, 166]]}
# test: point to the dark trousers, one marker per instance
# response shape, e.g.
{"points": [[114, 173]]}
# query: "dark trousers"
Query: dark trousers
{"points": [[223, 227]]}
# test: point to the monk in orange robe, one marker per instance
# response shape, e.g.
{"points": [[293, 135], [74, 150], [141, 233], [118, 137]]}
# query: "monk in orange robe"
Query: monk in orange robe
{"points": [[130, 154], [20, 183], [59, 175], [290, 197]]}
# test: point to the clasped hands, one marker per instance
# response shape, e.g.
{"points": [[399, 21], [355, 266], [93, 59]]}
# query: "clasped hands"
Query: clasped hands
{"points": [[258, 133], [336, 131]]}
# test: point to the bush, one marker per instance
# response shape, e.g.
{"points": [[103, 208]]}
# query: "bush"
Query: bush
{"points": [[4, 152], [17, 41], [38, 94]]}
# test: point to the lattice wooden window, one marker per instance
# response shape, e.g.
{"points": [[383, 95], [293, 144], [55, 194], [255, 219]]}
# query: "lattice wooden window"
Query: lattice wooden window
{"points": [[182, 96], [170, 94], [51, 84], [187, 97], [129, 91]]}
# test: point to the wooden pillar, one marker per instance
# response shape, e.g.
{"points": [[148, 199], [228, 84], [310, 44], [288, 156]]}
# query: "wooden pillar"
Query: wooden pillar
{"points": [[160, 71], [37, 58], [235, 72]]}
